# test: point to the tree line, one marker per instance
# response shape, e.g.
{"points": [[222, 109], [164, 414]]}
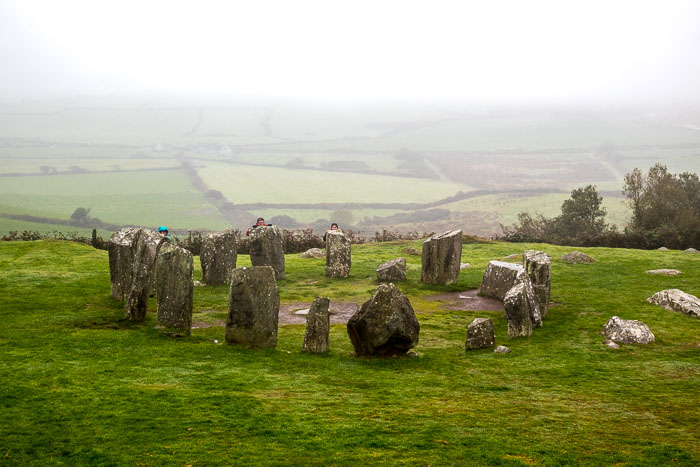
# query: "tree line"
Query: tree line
{"points": [[665, 212]]}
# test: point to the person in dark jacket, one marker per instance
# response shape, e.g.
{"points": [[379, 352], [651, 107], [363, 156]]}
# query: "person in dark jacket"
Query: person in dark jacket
{"points": [[334, 226]]}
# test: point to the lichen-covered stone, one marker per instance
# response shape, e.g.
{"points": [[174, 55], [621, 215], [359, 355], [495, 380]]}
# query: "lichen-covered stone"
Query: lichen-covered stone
{"points": [[677, 300], [218, 257], [318, 324], [144, 248], [498, 279], [518, 311], [537, 266], [338, 254], [392, 271], [441, 258], [627, 331], [501, 349], [480, 334], [253, 307], [266, 249], [385, 325], [121, 262], [174, 287], [664, 272], [313, 253], [691, 250], [576, 257]]}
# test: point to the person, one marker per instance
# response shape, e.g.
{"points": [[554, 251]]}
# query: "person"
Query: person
{"points": [[260, 222], [335, 227], [163, 231]]}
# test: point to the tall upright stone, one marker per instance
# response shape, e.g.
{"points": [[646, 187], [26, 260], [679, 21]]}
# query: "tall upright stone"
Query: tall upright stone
{"points": [[441, 258], [266, 248], [174, 286], [318, 325], [144, 249], [218, 257], [518, 311], [338, 254], [121, 261], [253, 307], [537, 266], [385, 325]]}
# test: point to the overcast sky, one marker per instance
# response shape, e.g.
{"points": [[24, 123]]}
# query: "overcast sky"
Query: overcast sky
{"points": [[488, 50]]}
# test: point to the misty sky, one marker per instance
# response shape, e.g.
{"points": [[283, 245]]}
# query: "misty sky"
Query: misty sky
{"points": [[487, 50]]}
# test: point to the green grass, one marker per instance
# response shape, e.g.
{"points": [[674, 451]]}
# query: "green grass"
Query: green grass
{"points": [[82, 386], [281, 185], [142, 198]]}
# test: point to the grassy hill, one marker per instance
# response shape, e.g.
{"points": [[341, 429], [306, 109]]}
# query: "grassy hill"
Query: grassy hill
{"points": [[81, 385]]}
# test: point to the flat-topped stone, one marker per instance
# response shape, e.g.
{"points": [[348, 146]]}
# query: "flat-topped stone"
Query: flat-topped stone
{"points": [[498, 279], [664, 272], [266, 249], [218, 257]]}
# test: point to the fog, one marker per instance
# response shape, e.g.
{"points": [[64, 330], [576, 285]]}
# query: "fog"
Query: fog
{"points": [[500, 51]]}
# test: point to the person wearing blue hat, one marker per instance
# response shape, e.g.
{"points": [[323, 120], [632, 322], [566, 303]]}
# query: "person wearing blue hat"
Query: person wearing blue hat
{"points": [[163, 231]]}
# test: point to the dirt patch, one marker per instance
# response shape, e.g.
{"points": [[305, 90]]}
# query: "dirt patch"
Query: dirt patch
{"points": [[467, 300], [340, 312]]}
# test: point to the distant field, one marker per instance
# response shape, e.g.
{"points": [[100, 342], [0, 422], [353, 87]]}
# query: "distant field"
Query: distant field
{"points": [[6, 225], [249, 184], [142, 198]]}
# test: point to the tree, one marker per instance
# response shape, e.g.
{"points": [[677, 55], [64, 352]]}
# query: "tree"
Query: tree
{"points": [[80, 216], [582, 215]]}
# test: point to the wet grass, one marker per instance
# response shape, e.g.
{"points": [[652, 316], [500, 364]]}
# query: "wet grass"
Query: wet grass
{"points": [[82, 386]]}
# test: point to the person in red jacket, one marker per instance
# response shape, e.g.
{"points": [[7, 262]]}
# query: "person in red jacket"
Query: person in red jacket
{"points": [[259, 223]]}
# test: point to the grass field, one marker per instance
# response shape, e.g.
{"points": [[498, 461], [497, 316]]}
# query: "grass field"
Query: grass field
{"points": [[276, 185], [6, 225], [142, 198], [82, 386]]}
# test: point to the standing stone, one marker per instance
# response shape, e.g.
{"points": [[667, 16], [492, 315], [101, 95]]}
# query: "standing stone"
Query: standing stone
{"points": [[218, 257], [338, 254], [498, 279], [627, 331], [517, 309], [253, 307], [174, 286], [677, 300], [318, 325], [385, 325], [537, 266], [441, 258], [392, 271], [121, 262], [144, 249], [266, 249], [529, 289], [480, 334]]}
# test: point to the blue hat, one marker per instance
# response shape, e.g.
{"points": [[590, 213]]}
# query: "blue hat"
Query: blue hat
{"points": [[162, 228]]}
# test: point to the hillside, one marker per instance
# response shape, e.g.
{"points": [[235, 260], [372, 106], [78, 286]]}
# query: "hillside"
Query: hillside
{"points": [[81, 385]]}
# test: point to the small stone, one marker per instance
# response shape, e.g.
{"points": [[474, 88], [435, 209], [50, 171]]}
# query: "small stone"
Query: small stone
{"points": [[302, 312], [412, 354], [313, 253], [663, 248], [576, 257], [480, 334], [664, 272], [464, 266], [392, 271], [411, 251], [627, 331], [691, 250], [501, 349], [677, 300], [197, 284], [513, 256], [611, 344]]}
